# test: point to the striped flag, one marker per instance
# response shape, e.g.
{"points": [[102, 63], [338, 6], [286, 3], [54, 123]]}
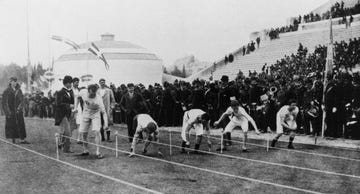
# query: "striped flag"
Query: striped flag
{"points": [[66, 41], [96, 51]]}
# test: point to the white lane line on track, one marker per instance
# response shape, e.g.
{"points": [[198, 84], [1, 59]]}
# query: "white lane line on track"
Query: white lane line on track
{"points": [[260, 161], [208, 170], [84, 169]]}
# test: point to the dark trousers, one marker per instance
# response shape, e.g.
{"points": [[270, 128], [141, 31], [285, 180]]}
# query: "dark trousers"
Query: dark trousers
{"points": [[332, 129], [177, 115], [315, 123], [102, 127], [213, 114], [130, 122]]}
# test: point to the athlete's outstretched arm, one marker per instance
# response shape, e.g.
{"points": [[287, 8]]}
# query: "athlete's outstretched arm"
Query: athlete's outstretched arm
{"points": [[251, 120], [225, 114]]}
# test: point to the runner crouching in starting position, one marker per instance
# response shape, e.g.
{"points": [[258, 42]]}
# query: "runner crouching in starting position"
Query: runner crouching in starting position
{"points": [[239, 118], [93, 107], [286, 121], [144, 123], [198, 120]]}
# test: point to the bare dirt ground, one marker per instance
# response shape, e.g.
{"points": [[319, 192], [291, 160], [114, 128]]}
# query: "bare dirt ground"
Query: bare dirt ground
{"points": [[24, 172]]}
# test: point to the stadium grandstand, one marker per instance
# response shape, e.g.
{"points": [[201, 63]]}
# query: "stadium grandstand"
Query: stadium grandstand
{"points": [[309, 34]]}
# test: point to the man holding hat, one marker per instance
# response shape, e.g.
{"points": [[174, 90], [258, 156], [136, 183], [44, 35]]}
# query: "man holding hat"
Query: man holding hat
{"points": [[238, 118]]}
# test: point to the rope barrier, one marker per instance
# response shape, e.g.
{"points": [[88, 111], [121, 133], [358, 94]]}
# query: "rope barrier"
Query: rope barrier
{"points": [[288, 150], [246, 159], [84, 169], [357, 149], [206, 170], [295, 151]]}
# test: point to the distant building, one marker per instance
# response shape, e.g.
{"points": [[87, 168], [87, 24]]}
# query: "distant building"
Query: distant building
{"points": [[128, 63]]}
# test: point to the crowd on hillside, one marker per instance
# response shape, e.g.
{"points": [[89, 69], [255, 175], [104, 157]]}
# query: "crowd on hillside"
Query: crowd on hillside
{"points": [[244, 50], [297, 76], [337, 11]]}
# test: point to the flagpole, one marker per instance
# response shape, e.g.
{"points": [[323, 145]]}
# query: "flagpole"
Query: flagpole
{"points": [[28, 48], [87, 58], [328, 71]]}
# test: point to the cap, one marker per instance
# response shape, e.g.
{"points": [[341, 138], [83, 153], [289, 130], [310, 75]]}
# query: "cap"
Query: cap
{"points": [[13, 79], [224, 78], [264, 97]]}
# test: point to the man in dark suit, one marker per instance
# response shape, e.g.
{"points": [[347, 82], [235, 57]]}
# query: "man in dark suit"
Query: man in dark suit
{"points": [[132, 103], [64, 105], [331, 108]]}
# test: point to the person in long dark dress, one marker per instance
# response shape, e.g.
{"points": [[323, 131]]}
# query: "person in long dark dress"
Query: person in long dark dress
{"points": [[13, 108]]}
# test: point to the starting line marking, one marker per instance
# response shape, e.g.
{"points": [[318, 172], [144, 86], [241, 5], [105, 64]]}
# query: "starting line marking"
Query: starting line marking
{"points": [[258, 161], [208, 170], [84, 169]]}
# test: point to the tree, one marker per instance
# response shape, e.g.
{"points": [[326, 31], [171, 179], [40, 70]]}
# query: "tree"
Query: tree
{"points": [[183, 71], [164, 70], [20, 72], [176, 72]]}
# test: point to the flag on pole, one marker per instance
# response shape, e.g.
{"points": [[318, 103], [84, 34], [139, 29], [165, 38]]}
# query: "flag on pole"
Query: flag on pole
{"points": [[330, 53], [96, 51], [328, 71], [66, 41]]}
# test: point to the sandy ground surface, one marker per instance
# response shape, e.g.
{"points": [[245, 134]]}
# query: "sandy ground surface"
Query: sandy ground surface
{"points": [[24, 172]]}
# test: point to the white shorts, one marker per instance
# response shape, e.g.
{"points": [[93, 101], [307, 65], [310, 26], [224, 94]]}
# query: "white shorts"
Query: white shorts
{"points": [[85, 124], [231, 125], [199, 130], [78, 117], [280, 128]]}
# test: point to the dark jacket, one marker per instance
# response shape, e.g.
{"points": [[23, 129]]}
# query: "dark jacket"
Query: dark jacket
{"points": [[12, 103], [135, 105], [62, 105]]}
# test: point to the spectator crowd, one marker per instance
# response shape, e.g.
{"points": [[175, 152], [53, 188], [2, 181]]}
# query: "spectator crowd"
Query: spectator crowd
{"points": [[298, 76], [337, 11]]}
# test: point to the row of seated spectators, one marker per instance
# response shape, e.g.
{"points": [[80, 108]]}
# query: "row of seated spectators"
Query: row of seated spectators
{"points": [[337, 10]]}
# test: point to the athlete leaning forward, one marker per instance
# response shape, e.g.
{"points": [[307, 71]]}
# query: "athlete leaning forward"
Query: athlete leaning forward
{"points": [[198, 120], [144, 124], [238, 118], [286, 122]]}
